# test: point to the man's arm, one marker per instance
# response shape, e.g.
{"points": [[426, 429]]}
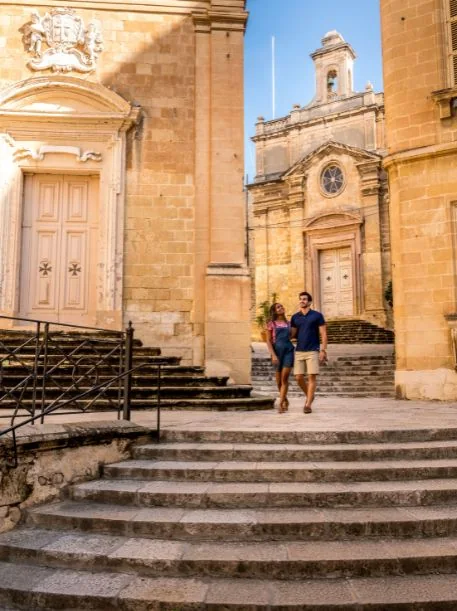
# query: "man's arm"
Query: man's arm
{"points": [[293, 329], [323, 350]]}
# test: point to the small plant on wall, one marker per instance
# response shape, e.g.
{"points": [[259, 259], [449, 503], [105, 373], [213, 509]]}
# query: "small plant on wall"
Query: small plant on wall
{"points": [[264, 314]]}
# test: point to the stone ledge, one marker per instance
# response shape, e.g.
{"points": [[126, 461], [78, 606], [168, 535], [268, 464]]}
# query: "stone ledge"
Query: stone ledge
{"points": [[57, 436], [51, 457]]}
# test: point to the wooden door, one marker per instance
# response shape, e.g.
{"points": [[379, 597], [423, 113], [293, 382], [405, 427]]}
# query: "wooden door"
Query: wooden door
{"points": [[59, 248], [336, 282]]}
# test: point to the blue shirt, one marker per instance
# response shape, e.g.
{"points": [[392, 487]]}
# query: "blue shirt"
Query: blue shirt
{"points": [[307, 326]]}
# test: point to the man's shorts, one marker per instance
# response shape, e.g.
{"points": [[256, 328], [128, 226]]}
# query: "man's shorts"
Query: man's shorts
{"points": [[306, 362]]}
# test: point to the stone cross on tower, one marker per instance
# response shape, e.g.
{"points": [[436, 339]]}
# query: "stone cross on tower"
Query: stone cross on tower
{"points": [[334, 65]]}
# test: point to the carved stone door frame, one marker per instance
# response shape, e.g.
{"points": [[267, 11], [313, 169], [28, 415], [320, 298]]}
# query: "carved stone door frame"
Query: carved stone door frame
{"points": [[330, 231], [65, 125]]}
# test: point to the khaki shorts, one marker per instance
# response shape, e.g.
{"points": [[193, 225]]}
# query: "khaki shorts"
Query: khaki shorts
{"points": [[306, 362]]}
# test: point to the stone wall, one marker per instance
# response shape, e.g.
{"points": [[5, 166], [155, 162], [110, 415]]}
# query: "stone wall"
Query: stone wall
{"points": [[52, 457], [180, 224], [421, 134]]}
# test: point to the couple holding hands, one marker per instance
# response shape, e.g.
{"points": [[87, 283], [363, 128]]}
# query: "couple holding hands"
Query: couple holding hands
{"points": [[307, 326]]}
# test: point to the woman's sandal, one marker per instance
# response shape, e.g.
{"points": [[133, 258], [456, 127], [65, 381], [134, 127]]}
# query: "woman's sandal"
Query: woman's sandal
{"points": [[282, 407], [307, 409]]}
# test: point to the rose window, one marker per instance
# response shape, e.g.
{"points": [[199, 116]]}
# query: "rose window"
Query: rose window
{"points": [[332, 179]]}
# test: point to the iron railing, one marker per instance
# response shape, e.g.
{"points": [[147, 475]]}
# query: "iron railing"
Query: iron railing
{"points": [[55, 406], [62, 367]]}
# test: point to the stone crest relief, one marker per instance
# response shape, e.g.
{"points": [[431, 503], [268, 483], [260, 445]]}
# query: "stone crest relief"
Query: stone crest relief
{"points": [[60, 42]]}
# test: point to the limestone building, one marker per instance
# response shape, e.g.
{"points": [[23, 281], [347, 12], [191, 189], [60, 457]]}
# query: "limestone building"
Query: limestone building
{"points": [[420, 78], [319, 199], [121, 135]]}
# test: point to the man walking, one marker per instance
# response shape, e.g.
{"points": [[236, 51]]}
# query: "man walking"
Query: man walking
{"points": [[307, 325]]}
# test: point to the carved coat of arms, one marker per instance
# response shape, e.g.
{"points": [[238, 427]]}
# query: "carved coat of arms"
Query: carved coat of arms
{"points": [[70, 45]]}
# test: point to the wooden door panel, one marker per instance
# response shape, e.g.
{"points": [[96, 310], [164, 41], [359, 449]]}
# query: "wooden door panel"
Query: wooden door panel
{"points": [[48, 200], [44, 278], [336, 282], [77, 202], [59, 248], [329, 288], [75, 273]]}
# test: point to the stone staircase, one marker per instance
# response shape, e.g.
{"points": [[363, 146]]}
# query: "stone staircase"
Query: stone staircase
{"points": [[250, 520], [350, 331], [354, 375], [182, 387]]}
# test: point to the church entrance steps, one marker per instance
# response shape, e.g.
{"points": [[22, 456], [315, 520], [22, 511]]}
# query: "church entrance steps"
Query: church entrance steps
{"points": [[245, 524], [80, 359], [250, 518], [144, 493], [237, 471], [286, 560], [296, 452], [353, 331], [107, 591], [351, 375]]}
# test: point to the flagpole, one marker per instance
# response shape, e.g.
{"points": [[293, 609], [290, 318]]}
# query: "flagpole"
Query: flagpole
{"points": [[273, 77]]}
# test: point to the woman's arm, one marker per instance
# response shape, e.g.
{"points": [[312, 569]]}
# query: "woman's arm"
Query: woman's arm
{"points": [[271, 350]]}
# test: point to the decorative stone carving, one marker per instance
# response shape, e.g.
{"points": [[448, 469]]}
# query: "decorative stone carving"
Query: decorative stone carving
{"points": [[72, 46], [38, 155]]}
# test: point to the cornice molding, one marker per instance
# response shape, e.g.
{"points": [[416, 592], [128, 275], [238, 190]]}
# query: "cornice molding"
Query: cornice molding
{"points": [[180, 7], [419, 154], [288, 126]]}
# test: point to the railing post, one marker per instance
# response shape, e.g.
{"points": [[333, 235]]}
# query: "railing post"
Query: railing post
{"points": [[45, 367], [127, 366], [35, 366]]}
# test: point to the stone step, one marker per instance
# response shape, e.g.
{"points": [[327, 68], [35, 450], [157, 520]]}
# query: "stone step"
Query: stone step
{"points": [[319, 437], [38, 587], [145, 392], [248, 524], [375, 392], [327, 385], [173, 379], [144, 493], [357, 385], [296, 452], [286, 560], [212, 403], [271, 472], [89, 348], [90, 358], [148, 369]]}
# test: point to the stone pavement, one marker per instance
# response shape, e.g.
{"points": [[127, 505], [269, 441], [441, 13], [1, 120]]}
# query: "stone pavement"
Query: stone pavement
{"points": [[330, 414]]}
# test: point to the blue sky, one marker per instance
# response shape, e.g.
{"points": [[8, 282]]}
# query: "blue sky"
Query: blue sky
{"points": [[298, 27]]}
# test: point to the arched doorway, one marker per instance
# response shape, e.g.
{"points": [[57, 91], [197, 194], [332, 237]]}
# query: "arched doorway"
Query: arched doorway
{"points": [[63, 144]]}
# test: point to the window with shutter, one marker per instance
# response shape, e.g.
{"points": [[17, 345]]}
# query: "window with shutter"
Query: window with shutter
{"points": [[453, 38]]}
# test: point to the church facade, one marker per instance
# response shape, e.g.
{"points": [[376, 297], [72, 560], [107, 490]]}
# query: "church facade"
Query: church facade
{"points": [[121, 136], [420, 79], [319, 201]]}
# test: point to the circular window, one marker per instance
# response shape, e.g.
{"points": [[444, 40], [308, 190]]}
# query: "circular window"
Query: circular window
{"points": [[332, 179]]}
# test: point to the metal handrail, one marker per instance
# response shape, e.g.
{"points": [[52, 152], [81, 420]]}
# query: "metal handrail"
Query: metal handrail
{"points": [[52, 408], [62, 324], [43, 374]]}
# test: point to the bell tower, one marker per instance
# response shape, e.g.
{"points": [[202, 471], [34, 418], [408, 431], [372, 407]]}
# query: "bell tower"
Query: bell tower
{"points": [[334, 65]]}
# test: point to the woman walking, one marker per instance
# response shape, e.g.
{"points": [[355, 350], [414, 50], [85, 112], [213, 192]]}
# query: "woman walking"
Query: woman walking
{"points": [[281, 350]]}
